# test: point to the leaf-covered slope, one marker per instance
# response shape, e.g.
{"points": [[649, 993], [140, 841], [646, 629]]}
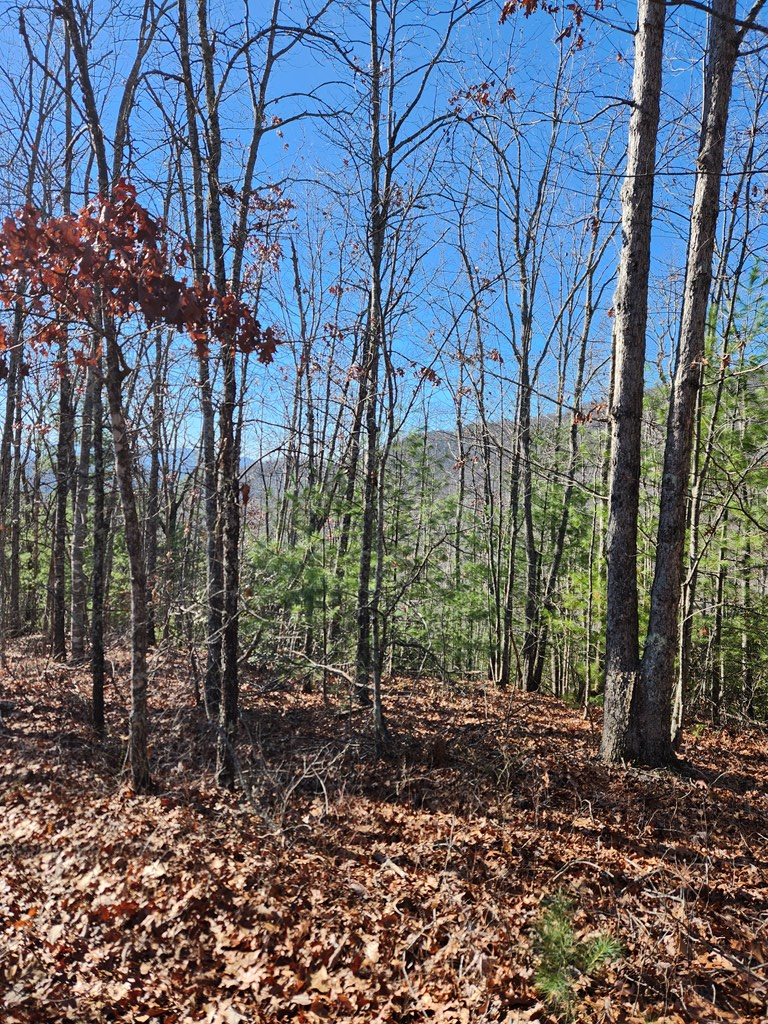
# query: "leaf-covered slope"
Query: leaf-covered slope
{"points": [[405, 889]]}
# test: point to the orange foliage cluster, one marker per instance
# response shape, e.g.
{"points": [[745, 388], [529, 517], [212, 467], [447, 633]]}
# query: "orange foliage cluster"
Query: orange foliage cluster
{"points": [[113, 260], [529, 7]]}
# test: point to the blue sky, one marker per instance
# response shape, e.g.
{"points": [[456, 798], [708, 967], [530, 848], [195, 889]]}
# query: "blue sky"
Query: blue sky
{"points": [[320, 162]]}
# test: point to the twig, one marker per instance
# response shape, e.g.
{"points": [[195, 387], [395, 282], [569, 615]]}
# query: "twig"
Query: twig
{"points": [[576, 863], [337, 952], [333, 669]]}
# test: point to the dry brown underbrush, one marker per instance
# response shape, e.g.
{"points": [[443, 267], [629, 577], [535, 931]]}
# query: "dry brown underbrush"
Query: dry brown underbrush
{"points": [[349, 888]]}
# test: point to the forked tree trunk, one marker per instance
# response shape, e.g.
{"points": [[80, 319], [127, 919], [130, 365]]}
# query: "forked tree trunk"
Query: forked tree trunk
{"points": [[138, 726]]}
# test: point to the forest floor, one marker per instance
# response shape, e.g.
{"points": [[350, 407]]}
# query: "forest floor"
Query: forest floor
{"points": [[464, 877]]}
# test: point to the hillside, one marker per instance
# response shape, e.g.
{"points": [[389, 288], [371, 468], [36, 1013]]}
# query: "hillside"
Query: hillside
{"points": [[451, 880]]}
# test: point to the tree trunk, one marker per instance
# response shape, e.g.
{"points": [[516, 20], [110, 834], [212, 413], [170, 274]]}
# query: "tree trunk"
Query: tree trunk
{"points": [[531, 663], [369, 381], [622, 656], [214, 568], [369, 400], [138, 757], [80, 523], [12, 386], [229, 494], [14, 587], [59, 555], [747, 642], [227, 526], [716, 677], [66, 427], [98, 578], [651, 711], [138, 725], [153, 489]]}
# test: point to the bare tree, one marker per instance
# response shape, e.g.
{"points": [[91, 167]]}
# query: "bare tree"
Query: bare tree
{"points": [[639, 698]]}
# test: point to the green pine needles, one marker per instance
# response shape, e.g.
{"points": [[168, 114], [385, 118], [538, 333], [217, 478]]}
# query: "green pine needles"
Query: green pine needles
{"points": [[563, 958]]}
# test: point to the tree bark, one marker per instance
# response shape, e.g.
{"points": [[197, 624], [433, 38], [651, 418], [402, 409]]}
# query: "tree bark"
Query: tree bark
{"points": [[622, 653], [98, 577], [369, 378], [80, 524], [214, 567], [138, 725], [651, 739], [59, 556], [153, 488], [13, 386]]}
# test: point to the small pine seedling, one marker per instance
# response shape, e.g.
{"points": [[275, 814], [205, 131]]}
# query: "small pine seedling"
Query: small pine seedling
{"points": [[562, 957]]}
